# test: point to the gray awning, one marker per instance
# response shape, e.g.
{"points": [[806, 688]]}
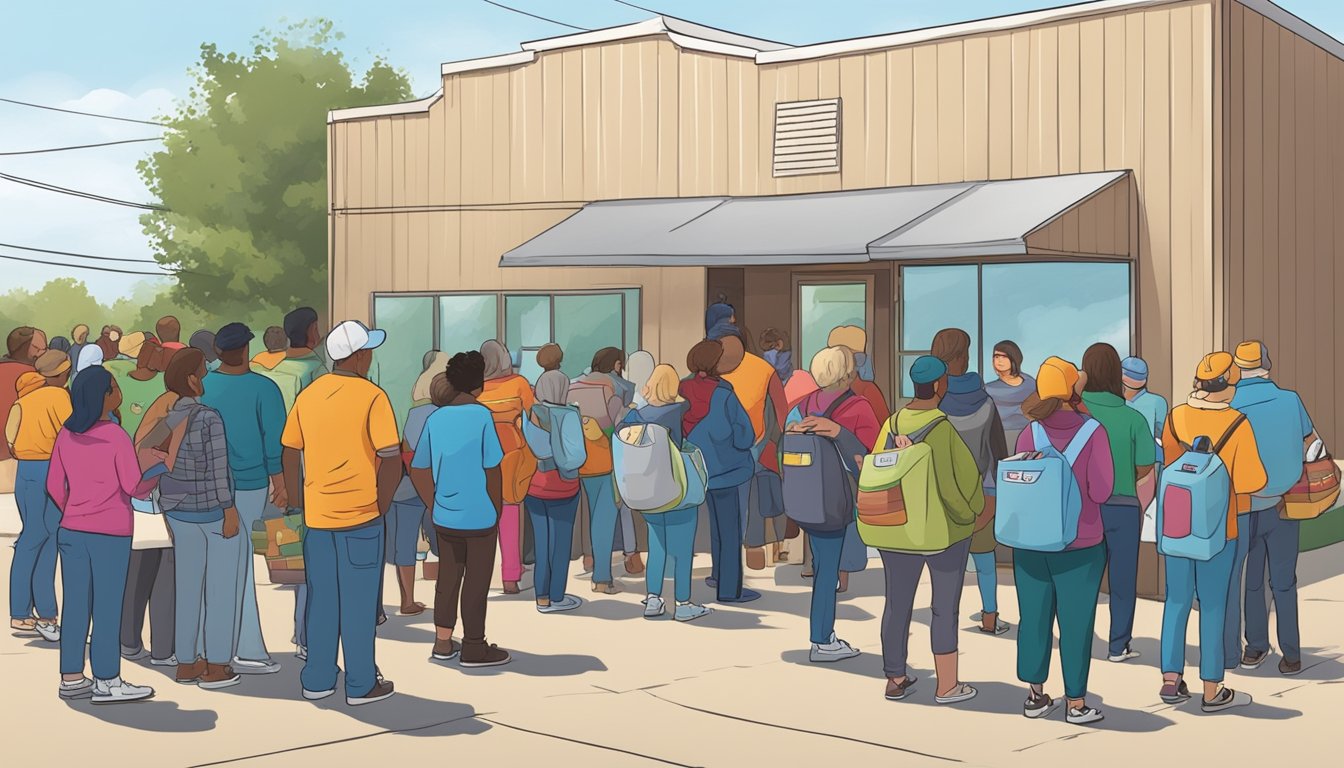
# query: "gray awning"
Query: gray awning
{"points": [[939, 220]]}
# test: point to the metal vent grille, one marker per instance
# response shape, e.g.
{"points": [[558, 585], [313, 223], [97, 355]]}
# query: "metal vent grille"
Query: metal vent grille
{"points": [[807, 137]]}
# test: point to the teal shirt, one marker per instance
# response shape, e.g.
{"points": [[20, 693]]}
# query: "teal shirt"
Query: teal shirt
{"points": [[1131, 443], [1154, 409], [254, 416], [1281, 426]]}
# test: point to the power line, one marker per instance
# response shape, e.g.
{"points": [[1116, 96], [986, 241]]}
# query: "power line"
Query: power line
{"points": [[76, 146], [77, 112], [76, 193], [77, 255], [85, 266], [670, 16], [641, 8], [535, 16]]}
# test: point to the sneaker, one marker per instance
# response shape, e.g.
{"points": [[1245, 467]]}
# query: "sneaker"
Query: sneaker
{"points": [[991, 624], [1083, 715], [1039, 705], [118, 691], [835, 650], [190, 674], [962, 692], [49, 630], [301, 652], [711, 582], [219, 676], [897, 691], [606, 588], [317, 695], [133, 654], [654, 607], [78, 689], [171, 661], [445, 650], [383, 689], [253, 667], [690, 612], [1123, 656], [1225, 700], [484, 655], [569, 603], [747, 596], [1253, 659], [1290, 668], [1174, 693]]}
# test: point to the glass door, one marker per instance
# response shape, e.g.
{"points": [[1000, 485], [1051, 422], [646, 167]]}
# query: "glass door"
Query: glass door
{"points": [[824, 304]]}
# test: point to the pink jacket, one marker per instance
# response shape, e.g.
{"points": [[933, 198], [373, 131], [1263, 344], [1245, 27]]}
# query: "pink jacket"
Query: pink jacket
{"points": [[93, 477]]}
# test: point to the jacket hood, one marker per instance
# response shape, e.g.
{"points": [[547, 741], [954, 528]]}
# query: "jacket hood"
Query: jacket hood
{"points": [[965, 394], [718, 321], [269, 360]]}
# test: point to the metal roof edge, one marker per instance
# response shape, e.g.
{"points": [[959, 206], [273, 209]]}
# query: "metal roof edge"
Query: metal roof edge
{"points": [[488, 62], [1297, 25], [383, 110]]}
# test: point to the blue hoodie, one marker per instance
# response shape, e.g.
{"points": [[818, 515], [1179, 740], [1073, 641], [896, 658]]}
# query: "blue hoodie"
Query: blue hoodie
{"points": [[965, 394], [718, 322], [1281, 424], [725, 436]]}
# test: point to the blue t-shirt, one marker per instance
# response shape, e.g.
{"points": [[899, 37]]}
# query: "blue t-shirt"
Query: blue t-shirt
{"points": [[1154, 409], [254, 416], [458, 445], [1281, 424]]}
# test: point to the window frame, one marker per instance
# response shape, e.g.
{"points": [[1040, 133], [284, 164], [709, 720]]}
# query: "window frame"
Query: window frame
{"points": [[868, 279]]}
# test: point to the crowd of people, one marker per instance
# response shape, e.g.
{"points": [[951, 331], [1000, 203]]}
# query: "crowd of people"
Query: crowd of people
{"points": [[143, 463]]}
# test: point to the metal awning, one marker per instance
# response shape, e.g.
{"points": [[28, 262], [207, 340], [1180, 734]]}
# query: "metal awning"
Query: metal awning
{"points": [[991, 218]]}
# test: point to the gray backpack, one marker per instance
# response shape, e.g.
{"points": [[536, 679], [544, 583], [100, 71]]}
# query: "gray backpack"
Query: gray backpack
{"points": [[819, 475]]}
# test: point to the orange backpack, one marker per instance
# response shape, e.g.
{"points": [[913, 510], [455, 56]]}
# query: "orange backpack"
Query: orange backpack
{"points": [[519, 464]]}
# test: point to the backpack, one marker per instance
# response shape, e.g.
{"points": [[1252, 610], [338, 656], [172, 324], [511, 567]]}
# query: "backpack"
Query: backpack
{"points": [[591, 397], [1039, 501], [519, 464], [558, 442], [1192, 499], [881, 501], [818, 479]]}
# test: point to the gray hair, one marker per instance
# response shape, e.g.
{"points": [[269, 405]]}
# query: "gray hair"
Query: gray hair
{"points": [[553, 388]]}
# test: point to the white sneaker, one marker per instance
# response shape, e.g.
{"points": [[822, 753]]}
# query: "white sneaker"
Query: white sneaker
{"points": [[49, 630], [78, 689], [118, 691], [835, 650], [654, 606], [301, 652], [690, 612], [171, 661], [317, 695], [1126, 655], [250, 667], [133, 655], [569, 603], [1084, 715]]}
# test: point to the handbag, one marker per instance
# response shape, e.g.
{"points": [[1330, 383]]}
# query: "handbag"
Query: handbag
{"points": [[149, 526], [1315, 493]]}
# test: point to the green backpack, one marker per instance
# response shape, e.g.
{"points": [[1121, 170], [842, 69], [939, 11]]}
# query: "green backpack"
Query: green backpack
{"points": [[898, 502]]}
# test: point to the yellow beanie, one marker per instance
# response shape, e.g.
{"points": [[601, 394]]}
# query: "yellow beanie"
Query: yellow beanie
{"points": [[1251, 355], [1056, 379], [29, 382], [1218, 365], [850, 336]]}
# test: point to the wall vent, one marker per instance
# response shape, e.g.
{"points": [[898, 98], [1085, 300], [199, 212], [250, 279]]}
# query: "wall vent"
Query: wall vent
{"points": [[807, 137]]}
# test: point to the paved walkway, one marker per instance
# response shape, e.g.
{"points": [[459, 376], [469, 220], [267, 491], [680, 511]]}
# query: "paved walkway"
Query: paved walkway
{"points": [[604, 687]]}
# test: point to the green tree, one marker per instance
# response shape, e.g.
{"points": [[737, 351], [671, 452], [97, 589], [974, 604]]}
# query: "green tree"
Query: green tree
{"points": [[56, 308], [243, 170]]}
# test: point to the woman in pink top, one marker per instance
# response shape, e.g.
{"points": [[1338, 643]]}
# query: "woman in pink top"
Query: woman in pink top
{"points": [[1063, 585], [93, 475]]}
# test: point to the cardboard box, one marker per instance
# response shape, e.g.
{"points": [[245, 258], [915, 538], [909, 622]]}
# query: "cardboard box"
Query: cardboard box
{"points": [[288, 577], [292, 549]]}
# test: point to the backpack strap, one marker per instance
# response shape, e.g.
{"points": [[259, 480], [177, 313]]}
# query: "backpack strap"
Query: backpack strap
{"points": [[839, 401], [1038, 436], [1228, 434], [1080, 438], [918, 437]]}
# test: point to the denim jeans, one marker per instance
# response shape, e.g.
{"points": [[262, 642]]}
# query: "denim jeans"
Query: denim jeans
{"points": [[725, 514], [988, 580], [207, 583], [32, 574], [671, 542], [1057, 587], [1123, 525], [1263, 539], [1210, 581], [602, 516], [250, 644], [88, 559], [826, 548], [553, 526], [343, 569]]}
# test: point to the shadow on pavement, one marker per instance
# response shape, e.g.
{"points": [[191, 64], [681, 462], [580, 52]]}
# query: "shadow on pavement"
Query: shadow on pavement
{"points": [[154, 715], [534, 665]]}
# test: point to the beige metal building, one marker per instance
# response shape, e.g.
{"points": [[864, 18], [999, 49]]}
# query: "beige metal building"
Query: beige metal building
{"points": [[1156, 174]]}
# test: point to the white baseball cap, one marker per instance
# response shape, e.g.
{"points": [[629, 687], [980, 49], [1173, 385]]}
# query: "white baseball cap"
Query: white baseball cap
{"points": [[350, 337]]}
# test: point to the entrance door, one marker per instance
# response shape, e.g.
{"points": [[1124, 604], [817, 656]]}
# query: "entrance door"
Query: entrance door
{"points": [[824, 303]]}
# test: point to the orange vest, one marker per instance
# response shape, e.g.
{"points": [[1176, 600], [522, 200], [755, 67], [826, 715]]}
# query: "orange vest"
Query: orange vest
{"points": [[751, 382]]}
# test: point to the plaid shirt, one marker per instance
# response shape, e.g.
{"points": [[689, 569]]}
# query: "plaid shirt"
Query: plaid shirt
{"points": [[200, 480]]}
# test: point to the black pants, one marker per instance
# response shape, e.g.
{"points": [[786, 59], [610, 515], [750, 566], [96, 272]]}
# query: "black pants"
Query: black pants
{"points": [[466, 564], [150, 583]]}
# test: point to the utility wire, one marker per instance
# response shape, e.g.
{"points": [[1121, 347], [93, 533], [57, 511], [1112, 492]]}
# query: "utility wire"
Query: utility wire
{"points": [[641, 8], [76, 193], [535, 16], [77, 112], [72, 253], [670, 16], [76, 146], [86, 266]]}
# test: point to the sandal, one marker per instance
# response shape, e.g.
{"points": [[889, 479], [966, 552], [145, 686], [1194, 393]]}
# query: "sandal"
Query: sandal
{"points": [[962, 692], [415, 610], [897, 691], [606, 588], [23, 627]]}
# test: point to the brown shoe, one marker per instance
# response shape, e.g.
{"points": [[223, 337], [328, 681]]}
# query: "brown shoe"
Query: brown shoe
{"points": [[897, 691], [756, 558], [634, 564], [218, 676], [511, 588], [190, 674], [990, 624], [383, 689], [484, 654], [445, 650], [1289, 668]]}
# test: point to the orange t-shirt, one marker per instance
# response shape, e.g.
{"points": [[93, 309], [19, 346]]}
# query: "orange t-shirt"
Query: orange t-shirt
{"points": [[751, 384], [1239, 454]]}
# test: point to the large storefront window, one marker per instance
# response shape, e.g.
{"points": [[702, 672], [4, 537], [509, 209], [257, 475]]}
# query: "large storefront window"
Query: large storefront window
{"points": [[823, 307], [1047, 308], [409, 323]]}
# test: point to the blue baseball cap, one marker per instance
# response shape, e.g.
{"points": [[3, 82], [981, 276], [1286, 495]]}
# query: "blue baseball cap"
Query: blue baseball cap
{"points": [[232, 336], [927, 369], [1134, 368]]}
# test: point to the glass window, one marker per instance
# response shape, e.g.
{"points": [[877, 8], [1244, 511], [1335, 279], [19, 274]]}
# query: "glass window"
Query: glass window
{"points": [[585, 323], [1056, 309], [632, 339], [527, 321], [466, 321], [907, 386], [409, 322], [934, 298], [822, 308]]}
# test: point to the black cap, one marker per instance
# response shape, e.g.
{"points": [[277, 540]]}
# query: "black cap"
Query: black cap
{"points": [[233, 336]]}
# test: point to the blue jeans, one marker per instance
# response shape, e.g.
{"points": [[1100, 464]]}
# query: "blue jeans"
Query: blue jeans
{"points": [[1209, 581], [89, 559], [1123, 525], [725, 512], [404, 521], [1264, 539], [343, 570], [602, 519], [553, 532], [251, 644], [826, 548], [988, 580], [672, 538], [32, 575], [207, 582]]}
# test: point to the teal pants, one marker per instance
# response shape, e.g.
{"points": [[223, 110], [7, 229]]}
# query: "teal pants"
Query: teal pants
{"points": [[1063, 587]]}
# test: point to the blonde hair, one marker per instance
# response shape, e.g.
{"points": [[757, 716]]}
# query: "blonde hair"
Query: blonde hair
{"points": [[851, 336], [663, 385], [832, 366]]}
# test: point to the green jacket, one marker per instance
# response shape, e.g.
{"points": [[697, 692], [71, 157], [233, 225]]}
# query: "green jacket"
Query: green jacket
{"points": [[1127, 430], [293, 375]]}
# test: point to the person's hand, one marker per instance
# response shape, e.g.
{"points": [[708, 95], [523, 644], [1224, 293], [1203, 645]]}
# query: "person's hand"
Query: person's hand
{"points": [[901, 442], [821, 426], [159, 455], [279, 495], [230, 523]]}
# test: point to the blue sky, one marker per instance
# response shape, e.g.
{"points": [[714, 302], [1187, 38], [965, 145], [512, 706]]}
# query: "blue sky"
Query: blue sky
{"points": [[130, 58]]}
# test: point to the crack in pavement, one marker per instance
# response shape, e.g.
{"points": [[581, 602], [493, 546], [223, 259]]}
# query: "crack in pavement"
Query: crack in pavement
{"points": [[792, 729], [1069, 737], [585, 743]]}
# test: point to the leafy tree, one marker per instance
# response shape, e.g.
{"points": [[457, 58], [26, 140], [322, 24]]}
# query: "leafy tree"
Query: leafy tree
{"points": [[243, 170], [56, 308]]}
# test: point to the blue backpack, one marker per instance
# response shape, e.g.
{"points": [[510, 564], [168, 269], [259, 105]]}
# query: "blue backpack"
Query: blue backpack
{"points": [[1192, 499], [558, 443], [1038, 498]]}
